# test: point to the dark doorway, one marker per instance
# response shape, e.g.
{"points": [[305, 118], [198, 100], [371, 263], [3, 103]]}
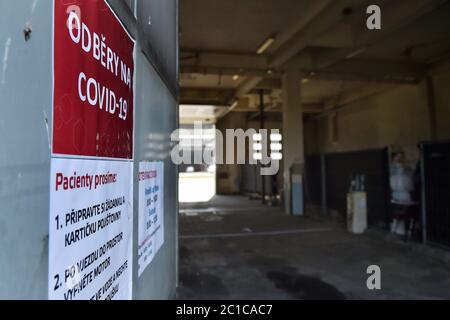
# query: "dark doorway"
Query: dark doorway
{"points": [[373, 165], [436, 175]]}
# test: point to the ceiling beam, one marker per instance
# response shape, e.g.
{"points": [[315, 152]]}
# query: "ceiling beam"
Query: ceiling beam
{"points": [[248, 85], [396, 15], [371, 71], [208, 70], [298, 36], [205, 96], [440, 67], [269, 84], [351, 96], [223, 60], [327, 15], [310, 108], [332, 13], [314, 8], [348, 70]]}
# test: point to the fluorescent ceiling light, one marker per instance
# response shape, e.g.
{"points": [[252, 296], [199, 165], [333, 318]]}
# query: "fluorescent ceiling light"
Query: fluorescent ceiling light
{"points": [[263, 48], [355, 53]]}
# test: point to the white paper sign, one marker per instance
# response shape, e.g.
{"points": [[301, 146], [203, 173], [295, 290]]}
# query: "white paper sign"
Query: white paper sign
{"points": [[151, 212], [91, 230]]}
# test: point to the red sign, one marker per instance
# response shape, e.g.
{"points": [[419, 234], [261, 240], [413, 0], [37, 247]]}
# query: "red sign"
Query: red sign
{"points": [[93, 81]]}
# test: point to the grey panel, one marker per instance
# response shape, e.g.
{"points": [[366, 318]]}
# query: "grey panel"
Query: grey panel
{"points": [[158, 21], [156, 118], [436, 183], [25, 103], [125, 9]]}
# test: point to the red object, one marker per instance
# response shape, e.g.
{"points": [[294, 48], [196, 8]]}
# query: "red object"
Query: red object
{"points": [[93, 98]]}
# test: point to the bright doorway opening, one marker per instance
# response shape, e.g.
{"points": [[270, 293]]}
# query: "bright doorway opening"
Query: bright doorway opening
{"points": [[197, 182]]}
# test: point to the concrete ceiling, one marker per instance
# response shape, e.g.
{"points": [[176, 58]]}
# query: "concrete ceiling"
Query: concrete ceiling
{"points": [[238, 26], [422, 42], [325, 40]]}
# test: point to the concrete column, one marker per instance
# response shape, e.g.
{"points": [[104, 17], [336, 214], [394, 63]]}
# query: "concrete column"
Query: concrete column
{"points": [[293, 140], [228, 176]]}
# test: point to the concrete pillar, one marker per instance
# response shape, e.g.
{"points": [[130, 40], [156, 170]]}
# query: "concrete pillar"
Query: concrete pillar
{"points": [[229, 175], [293, 140]]}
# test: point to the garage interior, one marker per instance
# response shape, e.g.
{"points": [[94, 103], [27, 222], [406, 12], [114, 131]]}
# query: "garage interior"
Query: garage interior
{"points": [[349, 101]]}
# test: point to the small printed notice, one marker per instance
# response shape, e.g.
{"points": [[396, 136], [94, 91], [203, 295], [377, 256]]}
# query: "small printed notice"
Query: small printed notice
{"points": [[151, 212], [91, 230]]}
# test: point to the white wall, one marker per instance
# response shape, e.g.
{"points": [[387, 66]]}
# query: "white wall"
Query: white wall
{"points": [[398, 117]]}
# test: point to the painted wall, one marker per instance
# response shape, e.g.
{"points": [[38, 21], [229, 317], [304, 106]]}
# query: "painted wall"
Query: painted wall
{"points": [[441, 83], [398, 117], [25, 122]]}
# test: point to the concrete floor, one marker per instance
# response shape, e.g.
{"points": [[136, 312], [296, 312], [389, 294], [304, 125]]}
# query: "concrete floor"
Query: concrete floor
{"points": [[234, 248]]}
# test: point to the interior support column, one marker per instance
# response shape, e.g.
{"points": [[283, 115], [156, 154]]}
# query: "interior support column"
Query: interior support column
{"points": [[293, 140]]}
